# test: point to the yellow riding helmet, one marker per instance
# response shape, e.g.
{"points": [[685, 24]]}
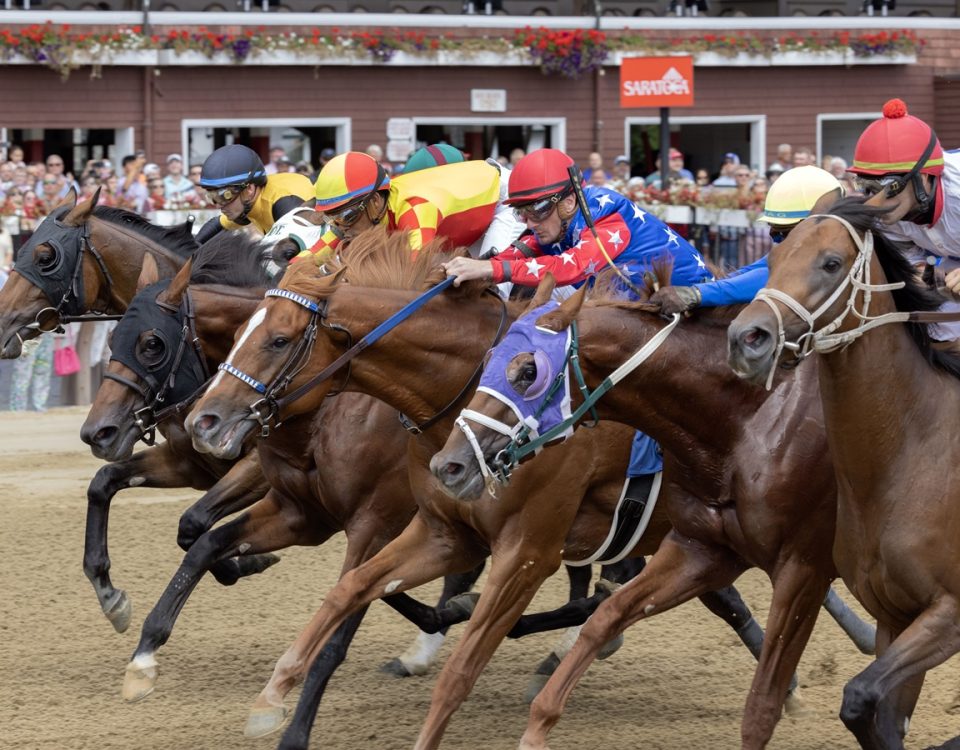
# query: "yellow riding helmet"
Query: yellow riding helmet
{"points": [[792, 197]]}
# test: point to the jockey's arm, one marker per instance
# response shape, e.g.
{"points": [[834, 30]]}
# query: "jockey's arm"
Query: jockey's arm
{"points": [[324, 249], [210, 228], [420, 221], [740, 286]]}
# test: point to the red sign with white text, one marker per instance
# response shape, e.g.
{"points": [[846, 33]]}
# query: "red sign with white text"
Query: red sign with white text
{"points": [[656, 82]]}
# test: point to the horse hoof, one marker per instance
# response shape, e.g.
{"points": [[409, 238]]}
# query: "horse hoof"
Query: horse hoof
{"points": [[794, 706], [139, 681], [118, 612], [610, 647], [396, 668], [534, 687], [264, 721]]}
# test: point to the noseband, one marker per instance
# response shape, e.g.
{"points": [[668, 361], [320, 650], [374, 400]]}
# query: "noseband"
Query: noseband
{"points": [[826, 340]]}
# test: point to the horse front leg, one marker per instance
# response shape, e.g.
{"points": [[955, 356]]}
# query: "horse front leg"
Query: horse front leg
{"points": [[680, 570], [514, 579], [154, 467], [931, 639], [273, 523], [420, 554], [798, 592]]}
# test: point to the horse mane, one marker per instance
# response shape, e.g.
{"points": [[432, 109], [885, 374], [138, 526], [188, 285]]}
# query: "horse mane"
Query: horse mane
{"points": [[232, 259], [380, 260], [915, 296], [178, 239]]}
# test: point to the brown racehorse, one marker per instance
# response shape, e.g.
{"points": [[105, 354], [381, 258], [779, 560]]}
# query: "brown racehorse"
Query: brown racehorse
{"points": [[891, 404], [83, 259], [555, 508], [739, 495]]}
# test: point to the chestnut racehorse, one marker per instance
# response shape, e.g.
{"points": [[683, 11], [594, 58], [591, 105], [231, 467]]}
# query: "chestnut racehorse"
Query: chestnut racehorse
{"points": [[740, 495], [83, 259], [891, 404], [557, 508]]}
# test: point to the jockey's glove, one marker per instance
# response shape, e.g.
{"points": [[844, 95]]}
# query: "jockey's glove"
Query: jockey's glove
{"points": [[676, 299]]}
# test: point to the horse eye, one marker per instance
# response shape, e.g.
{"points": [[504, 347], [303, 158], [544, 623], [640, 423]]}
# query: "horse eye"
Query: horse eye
{"points": [[47, 259], [280, 342], [831, 265]]}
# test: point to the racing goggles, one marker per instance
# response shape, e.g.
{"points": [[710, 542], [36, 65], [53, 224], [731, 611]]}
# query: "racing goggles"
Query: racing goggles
{"points": [[348, 216], [225, 195], [892, 185], [538, 210]]}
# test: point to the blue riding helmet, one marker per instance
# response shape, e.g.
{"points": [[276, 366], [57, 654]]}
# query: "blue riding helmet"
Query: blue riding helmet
{"points": [[232, 165]]}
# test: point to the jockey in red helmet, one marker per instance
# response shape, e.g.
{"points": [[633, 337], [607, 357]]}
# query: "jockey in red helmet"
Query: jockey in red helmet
{"points": [[900, 163], [457, 201]]}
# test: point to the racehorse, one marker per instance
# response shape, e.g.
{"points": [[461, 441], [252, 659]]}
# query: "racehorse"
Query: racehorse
{"points": [[738, 495], [82, 259], [556, 509], [891, 402]]}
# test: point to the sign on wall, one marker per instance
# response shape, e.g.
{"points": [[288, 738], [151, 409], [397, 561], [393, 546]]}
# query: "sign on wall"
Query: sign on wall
{"points": [[488, 100], [401, 129], [656, 82]]}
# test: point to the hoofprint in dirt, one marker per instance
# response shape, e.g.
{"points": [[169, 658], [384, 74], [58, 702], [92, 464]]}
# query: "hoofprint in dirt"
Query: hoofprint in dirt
{"points": [[677, 682]]}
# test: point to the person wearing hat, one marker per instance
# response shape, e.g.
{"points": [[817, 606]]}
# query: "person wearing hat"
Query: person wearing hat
{"points": [[621, 174], [677, 171], [899, 163], [457, 201], [773, 172], [799, 193], [177, 189], [237, 183]]}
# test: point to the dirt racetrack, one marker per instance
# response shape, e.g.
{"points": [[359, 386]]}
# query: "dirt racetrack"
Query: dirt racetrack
{"points": [[679, 681]]}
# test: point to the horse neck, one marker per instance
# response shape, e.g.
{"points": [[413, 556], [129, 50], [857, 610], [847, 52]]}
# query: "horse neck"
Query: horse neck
{"points": [[685, 396], [419, 367], [220, 311], [123, 251]]}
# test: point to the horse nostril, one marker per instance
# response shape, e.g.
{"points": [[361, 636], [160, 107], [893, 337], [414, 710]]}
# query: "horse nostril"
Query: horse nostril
{"points": [[207, 423], [101, 437], [754, 338]]}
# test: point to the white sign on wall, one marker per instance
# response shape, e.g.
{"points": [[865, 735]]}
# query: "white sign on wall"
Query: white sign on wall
{"points": [[401, 129], [488, 100], [399, 150]]}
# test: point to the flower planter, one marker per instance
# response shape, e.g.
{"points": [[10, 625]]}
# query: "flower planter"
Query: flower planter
{"points": [[669, 214], [786, 59], [724, 217]]}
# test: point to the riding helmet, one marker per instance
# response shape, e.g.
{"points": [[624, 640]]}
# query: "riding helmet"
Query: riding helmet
{"points": [[792, 197], [894, 143], [347, 178], [539, 174], [232, 165], [433, 156]]}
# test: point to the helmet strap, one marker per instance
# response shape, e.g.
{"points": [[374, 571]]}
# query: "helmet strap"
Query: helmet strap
{"points": [[244, 219], [383, 211], [926, 202]]}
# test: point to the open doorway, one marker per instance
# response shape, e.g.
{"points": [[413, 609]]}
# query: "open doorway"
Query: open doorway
{"points": [[77, 146], [837, 134], [481, 138]]}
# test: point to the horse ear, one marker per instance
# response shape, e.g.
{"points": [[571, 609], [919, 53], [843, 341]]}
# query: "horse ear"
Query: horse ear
{"points": [[149, 272], [79, 212], [561, 318], [174, 293], [544, 291]]}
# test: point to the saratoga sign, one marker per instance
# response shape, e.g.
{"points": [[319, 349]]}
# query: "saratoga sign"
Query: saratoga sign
{"points": [[656, 82]]}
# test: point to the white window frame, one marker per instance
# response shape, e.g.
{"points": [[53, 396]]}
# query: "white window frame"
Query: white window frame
{"points": [[758, 131], [342, 124], [833, 116], [557, 125]]}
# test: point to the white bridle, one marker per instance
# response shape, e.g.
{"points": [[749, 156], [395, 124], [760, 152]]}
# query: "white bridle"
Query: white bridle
{"points": [[826, 340]]}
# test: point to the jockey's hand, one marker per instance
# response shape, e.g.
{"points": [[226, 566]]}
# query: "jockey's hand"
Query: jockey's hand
{"points": [[676, 299], [468, 269], [951, 288]]}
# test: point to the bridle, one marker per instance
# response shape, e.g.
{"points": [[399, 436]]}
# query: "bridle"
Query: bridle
{"points": [[827, 339], [155, 391], [266, 411]]}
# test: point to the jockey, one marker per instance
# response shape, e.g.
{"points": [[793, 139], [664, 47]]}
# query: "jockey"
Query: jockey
{"points": [[457, 201], [795, 195], [900, 162], [237, 184], [558, 240]]}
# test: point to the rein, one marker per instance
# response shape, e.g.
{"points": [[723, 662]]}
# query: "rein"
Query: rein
{"points": [[524, 439], [154, 393], [826, 340]]}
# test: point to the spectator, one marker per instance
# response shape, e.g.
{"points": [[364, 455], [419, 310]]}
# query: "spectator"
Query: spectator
{"points": [[803, 157], [595, 163], [131, 191], [88, 186], [516, 155], [31, 375], [635, 189], [774, 171], [156, 193], [756, 238], [6, 175], [177, 189], [305, 168], [784, 158], [599, 178], [326, 155], [726, 179], [51, 192], [838, 168], [677, 171], [621, 174], [16, 156], [21, 178], [702, 179], [151, 171], [108, 196], [377, 153], [196, 170], [55, 167], [285, 166], [503, 161], [104, 170], [274, 165]]}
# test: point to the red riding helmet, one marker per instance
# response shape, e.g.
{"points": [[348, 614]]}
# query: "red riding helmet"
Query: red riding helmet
{"points": [[539, 174], [895, 143]]}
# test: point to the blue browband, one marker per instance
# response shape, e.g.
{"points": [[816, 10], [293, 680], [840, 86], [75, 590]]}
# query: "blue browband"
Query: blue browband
{"points": [[252, 382], [294, 297]]}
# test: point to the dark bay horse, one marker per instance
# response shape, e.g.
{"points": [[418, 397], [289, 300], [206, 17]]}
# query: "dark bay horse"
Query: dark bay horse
{"points": [[83, 259], [891, 404], [739, 494], [551, 510]]}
